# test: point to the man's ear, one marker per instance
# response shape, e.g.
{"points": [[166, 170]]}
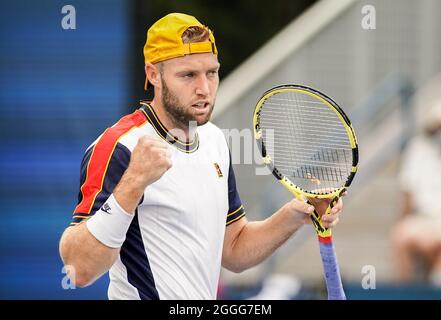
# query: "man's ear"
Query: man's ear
{"points": [[153, 74]]}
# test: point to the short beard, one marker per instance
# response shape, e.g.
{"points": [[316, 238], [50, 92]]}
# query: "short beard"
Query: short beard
{"points": [[179, 114]]}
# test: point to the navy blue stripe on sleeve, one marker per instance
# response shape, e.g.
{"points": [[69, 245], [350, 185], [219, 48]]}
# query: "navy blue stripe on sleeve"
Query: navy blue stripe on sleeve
{"points": [[83, 171], [235, 208]]}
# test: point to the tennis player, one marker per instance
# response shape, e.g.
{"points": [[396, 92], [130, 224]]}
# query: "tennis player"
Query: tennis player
{"points": [[158, 206]]}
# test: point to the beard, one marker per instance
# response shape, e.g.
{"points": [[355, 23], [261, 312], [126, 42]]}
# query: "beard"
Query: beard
{"points": [[180, 114]]}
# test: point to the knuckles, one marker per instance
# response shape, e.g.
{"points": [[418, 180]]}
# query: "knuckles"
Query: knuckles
{"points": [[146, 142]]}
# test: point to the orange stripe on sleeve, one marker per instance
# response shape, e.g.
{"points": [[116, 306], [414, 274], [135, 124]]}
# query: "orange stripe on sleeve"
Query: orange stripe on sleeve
{"points": [[100, 158]]}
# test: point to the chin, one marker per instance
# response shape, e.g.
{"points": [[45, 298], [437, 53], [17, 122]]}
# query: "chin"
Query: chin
{"points": [[203, 121]]}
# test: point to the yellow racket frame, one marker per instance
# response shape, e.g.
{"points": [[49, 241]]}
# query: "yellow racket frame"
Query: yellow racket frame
{"points": [[298, 192]]}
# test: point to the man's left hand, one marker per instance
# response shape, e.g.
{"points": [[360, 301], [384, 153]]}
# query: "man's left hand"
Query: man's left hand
{"points": [[329, 220]]}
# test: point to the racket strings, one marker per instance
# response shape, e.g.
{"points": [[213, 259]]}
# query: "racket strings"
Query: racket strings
{"points": [[306, 141]]}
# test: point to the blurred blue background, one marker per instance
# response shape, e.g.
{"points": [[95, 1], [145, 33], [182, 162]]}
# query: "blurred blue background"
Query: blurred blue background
{"points": [[59, 90]]}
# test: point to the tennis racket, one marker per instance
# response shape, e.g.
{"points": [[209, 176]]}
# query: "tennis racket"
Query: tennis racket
{"points": [[309, 144]]}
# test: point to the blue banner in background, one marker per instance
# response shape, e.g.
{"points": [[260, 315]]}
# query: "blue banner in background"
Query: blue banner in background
{"points": [[59, 89]]}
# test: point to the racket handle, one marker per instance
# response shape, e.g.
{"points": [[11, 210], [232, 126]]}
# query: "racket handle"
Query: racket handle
{"points": [[332, 204], [331, 269]]}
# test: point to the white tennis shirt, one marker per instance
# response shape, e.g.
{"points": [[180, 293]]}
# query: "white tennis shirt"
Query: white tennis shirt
{"points": [[173, 248]]}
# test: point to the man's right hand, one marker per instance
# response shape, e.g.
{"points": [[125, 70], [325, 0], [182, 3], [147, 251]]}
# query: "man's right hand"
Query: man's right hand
{"points": [[150, 159]]}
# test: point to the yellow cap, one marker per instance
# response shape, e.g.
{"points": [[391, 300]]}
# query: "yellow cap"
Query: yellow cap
{"points": [[164, 39]]}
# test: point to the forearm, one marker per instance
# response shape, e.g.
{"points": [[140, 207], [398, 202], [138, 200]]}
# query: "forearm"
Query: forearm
{"points": [[259, 239], [85, 257], [84, 247]]}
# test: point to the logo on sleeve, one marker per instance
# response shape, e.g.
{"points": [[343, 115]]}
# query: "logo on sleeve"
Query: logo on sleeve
{"points": [[106, 208], [218, 170]]}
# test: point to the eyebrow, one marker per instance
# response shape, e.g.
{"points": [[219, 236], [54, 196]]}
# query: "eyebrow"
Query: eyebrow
{"points": [[190, 70]]}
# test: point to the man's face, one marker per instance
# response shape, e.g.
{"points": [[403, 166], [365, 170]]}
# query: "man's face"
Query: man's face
{"points": [[188, 88]]}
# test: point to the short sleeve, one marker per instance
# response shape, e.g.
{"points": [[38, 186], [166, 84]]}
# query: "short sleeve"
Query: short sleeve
{"points": [[236, 210], [101, 170]]}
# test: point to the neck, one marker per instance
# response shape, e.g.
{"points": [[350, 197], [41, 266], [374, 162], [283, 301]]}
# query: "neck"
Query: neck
{"points": [[183, 133]]}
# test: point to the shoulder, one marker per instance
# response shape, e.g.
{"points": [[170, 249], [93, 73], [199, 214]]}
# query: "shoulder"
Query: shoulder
{"points": [[125, 132]]}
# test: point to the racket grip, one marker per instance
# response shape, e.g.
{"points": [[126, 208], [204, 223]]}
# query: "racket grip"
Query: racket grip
{"points": [[331, 270]]}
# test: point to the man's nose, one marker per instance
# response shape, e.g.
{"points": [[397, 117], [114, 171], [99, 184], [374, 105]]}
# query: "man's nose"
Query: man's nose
{"points": [[202, 86]]}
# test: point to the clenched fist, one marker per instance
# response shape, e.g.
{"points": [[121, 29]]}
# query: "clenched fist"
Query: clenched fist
{"points": [[150, 159]]}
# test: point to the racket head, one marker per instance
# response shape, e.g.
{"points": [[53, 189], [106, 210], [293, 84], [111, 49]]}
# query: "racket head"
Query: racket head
{"points": [[306, 140]]}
